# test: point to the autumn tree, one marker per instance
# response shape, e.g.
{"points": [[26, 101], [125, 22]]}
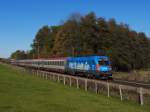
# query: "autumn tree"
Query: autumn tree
{"points": [[19, 55]]}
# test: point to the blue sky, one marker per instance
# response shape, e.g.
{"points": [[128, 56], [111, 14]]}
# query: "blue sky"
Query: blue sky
{"points": [[21, 19]]}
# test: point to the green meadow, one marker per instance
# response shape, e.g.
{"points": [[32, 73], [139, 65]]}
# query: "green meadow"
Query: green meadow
{"points": [[21, 92]]}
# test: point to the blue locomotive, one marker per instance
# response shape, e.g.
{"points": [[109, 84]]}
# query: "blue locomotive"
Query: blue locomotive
{"points": [[89, 66], [97, 66]]}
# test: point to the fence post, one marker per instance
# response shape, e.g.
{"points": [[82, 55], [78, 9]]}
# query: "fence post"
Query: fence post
{"points": [[120, 91], [70, 81], [141, 96], [43, 75], [77, 83], [108, 94], [64, 80], [50, 76], [96, 87], [85, 84], [58, 78], [37, 73], [53, 77], [46, 76]]}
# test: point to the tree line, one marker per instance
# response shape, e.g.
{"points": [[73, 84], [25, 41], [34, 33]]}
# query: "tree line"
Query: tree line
{"points": [[90, 35]]}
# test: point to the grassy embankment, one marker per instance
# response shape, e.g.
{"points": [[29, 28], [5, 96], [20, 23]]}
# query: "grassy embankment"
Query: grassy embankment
{"points": [[136, 75], [20, 92]]}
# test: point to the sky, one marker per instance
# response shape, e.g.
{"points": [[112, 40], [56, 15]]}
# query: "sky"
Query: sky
{"points": [[21, 19]]}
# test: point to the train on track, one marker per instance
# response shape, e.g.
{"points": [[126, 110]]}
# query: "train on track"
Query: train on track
{"points": [[88, 66]]}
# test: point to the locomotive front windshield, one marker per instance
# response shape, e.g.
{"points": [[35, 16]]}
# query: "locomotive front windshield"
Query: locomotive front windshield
{"points": [[103, 62]]}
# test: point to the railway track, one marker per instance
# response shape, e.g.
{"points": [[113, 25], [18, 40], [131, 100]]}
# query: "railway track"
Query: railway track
{"points": [[132, 83]]}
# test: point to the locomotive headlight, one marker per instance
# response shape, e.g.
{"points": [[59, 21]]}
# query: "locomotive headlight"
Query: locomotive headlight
{"points": [[110, 69]]}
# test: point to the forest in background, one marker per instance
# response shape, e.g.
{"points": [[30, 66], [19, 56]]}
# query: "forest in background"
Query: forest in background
{"points": [[90, 35]]}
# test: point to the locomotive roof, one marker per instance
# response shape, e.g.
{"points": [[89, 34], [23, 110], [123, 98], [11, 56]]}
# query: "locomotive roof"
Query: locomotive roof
{"points": [[88, 57]]}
